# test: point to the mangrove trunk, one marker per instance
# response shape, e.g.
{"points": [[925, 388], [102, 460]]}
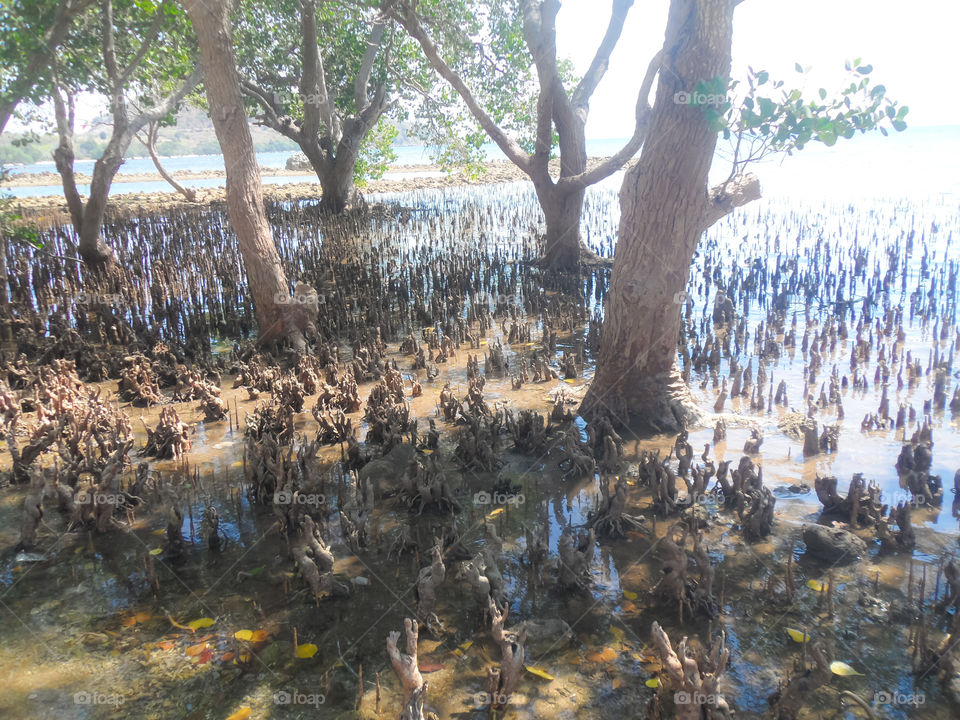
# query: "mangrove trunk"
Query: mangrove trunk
{"points": [[665, 208], [265, 274]]}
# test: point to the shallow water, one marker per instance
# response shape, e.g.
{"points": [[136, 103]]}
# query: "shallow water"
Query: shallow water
{"points": [[65, 615]]}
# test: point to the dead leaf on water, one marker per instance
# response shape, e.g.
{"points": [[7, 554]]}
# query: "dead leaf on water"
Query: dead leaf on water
{"points": [[307, 650], [539, 672], [607, 655], [838, 667], [195, 650]]}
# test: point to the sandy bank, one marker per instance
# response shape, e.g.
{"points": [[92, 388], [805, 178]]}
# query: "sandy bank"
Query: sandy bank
{"points": [[53, 209]]}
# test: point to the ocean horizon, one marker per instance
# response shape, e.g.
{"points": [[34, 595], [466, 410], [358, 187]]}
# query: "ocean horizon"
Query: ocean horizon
{"points": [[920, 161]]}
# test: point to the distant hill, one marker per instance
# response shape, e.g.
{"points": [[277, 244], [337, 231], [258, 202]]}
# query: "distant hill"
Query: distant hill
{"points": [[192, 135]]}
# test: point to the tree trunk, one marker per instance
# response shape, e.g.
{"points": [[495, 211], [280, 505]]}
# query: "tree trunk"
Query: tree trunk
{"points": [[665, 209], [265, 275], [563, 209], [335, 175], [337, 184], [94, 251], [562, 246]]}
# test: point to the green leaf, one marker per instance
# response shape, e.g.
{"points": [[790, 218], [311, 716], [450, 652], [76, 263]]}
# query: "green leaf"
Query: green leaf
{"points": [[798, 67]]}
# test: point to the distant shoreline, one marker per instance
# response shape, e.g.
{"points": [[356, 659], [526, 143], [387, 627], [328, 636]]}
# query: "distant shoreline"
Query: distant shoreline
{"points": [[53, 178], [53, 208]]}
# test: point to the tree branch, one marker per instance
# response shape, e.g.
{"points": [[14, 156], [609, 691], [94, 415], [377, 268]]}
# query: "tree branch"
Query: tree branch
{"points": [[540, 33], [252, 90], [617, 161], [40, 58], [411, 23], [109, 49], [148, 40], [317, 107], [727, 196], [362, 79], [601, 60], [167, 104]]}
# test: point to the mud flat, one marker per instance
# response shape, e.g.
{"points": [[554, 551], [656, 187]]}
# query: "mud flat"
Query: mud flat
{"points": [[224, 527]]}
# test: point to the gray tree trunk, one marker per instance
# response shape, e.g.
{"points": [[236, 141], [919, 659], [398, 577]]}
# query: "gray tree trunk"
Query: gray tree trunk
{"points": [[562, 212], [265, 274], [665, 208]]}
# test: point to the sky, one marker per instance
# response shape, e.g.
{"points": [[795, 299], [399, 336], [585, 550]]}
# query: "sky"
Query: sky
{"points": [[911, 46]]}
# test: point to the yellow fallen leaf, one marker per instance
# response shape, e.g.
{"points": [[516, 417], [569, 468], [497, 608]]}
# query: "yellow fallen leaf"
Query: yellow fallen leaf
{"points": [[259, 636], [495, 513], [815, 585], [616, 683], [466, 645], [200, 623], [539, 672], [427, 452], [241, 714], [245, 635], [158, 531], [798, 636], [307, 650], [143, 616], [156, 551], [653, 683], [630, 595], [617, 633], [840, 668]]}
